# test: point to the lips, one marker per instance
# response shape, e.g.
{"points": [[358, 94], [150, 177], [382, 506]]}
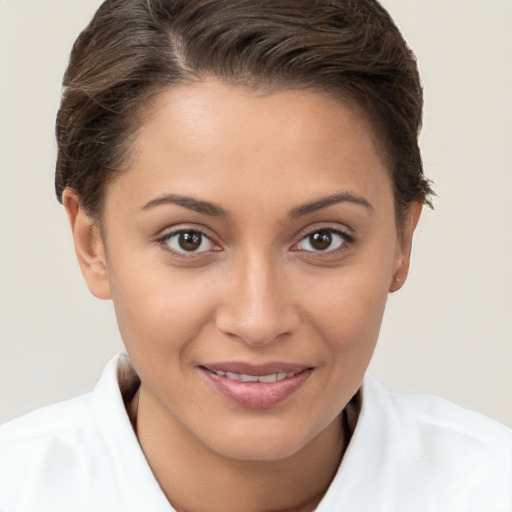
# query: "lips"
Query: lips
{"points": [[245, 377], [256, 387]]}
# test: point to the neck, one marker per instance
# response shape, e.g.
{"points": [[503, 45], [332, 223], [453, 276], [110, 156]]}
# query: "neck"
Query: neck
{"points": [[195, 478]]}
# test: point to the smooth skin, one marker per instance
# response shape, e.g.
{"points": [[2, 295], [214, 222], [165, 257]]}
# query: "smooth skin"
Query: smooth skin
{"points": [[247, 227]]}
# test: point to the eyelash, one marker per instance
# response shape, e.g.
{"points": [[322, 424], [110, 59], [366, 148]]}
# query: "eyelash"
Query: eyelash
{"points": [[347, 240], [164, 242]]}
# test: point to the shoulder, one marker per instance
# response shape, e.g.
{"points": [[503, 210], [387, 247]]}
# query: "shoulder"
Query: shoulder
{"points": [[441, 425], [79, 455], [67, 417], [422, 453], [461, 459], [39, 445], [48, 421], [63, 449], [26, 441]]}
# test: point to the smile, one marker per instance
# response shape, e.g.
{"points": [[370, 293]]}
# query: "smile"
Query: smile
{"points": [[244, 377], [259, 387]]}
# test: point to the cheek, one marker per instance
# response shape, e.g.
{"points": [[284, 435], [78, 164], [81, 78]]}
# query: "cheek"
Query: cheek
{"points": [[158, 310], [350, 319], [347, 308]]}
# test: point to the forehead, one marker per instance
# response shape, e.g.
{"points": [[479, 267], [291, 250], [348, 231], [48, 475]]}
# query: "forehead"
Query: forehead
{"points": [[216, 139], [214, 110]]}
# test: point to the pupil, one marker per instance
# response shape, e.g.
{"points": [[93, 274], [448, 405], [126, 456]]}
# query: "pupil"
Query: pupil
{"points": [[321, 240], [190, 241]]}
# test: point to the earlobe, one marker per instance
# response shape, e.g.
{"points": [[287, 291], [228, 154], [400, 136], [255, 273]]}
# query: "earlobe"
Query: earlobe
{"points": [[403, 258], [89, 246]]}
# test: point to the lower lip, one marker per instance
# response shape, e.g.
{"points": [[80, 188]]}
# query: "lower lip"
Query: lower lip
{"points": [[257, 395]]}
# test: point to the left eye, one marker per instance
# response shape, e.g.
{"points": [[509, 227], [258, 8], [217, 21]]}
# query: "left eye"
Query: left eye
{"points": [[323, 240], [190, 241]]}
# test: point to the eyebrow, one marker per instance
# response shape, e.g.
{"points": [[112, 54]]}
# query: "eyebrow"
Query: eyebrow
{"points": [[208, 208], [324, 202], [204, 207]]}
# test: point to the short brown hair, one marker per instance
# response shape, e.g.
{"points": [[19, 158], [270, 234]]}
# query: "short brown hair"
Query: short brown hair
{"points": [[132, 49]]}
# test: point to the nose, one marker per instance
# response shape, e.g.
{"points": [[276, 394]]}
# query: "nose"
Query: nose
{"points": [[257, 307]]}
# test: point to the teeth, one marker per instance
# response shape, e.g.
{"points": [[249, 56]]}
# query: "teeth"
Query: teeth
{"points": [[247, 378], [268, 378], [242, 377]]}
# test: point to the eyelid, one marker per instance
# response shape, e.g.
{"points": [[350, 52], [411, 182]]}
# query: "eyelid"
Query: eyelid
{"points": [[168, 233], [348, 238]]}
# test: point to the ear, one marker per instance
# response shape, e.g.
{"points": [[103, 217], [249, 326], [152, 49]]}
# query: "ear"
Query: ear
{"points": [[89, 246], [403, 253]]}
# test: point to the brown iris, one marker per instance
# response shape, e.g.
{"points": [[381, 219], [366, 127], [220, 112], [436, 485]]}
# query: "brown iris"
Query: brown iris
{"points": [[190, 240], [320, 240]]}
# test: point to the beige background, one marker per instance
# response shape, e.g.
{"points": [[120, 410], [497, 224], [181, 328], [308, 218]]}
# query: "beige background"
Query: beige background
{"points": [[449, 332]]}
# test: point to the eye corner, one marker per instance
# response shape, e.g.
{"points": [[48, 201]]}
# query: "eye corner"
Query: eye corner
{"points": [[187, 242], [323, 241]]}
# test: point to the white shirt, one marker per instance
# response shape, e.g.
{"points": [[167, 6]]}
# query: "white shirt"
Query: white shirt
{"points": [[407, 454]]}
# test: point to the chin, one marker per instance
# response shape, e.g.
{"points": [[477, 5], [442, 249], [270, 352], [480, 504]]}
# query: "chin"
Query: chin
{"points": [[256, 451], [260, 442]]}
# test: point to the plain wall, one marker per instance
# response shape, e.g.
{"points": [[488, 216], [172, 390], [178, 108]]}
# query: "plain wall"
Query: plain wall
{"points": [[448, 332]]}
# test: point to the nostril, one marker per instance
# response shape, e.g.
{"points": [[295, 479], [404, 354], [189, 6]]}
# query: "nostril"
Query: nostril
{"points": [[255, 307], [257, 329]]}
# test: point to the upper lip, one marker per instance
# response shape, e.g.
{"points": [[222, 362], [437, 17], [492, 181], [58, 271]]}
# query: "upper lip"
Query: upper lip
{"points": [[256, 370]]}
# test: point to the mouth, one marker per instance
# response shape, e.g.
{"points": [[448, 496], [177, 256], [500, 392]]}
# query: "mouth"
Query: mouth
{"points": [[246, 377], [256, 387]]}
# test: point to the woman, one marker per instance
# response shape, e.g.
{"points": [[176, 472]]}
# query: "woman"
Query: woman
{"points": [[243, 180]]}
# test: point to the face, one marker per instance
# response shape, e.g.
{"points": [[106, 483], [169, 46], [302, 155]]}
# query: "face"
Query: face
{"points": [[249, 249]]}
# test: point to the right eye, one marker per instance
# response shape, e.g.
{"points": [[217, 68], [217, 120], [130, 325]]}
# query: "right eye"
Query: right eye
{"points": [[322, 240], [188, 241]]}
